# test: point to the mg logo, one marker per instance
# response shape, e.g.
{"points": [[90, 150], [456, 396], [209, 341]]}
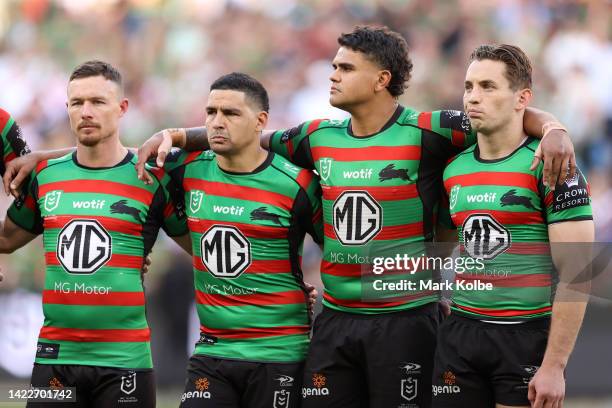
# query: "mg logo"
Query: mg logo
{"points": [[52, 199], [195, 200], [357, 217], [325, 165], [484, 237], [83, 246], [226, 252], [454, 194]]}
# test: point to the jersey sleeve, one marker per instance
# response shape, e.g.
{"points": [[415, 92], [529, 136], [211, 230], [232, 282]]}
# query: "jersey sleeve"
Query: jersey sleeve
{"points": [[307, 206], [25, 212], [571, 201], [171, 215], [444, 217], [452, 128], [11, 140], [294, 145]]}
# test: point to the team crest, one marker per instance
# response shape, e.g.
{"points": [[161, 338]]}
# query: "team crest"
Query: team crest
{"points": [[128, 383], [195, 200], [409, 388], [52, 199], [281, 399], [454, 194], [325, 164]]}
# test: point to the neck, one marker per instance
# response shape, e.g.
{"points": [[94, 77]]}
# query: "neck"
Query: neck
{"points": [[244, 162], [369, 118], [501, 142], [104, 154]]}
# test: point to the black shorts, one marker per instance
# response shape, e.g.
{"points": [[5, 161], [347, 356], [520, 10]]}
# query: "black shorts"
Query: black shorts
{"points": [[223, 383], [96, 386], [479, 364], [383, 360]]}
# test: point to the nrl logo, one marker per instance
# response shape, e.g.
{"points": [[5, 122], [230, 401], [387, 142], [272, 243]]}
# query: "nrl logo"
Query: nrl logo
{"points": [[128, 383], [52, 199], [325, 163], [454, 194], [195, 200]]}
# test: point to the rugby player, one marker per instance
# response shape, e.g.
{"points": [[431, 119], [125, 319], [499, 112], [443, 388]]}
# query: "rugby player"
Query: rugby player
{"points": [[98, 223], [508, 345], [248, 211], [381, 176]]}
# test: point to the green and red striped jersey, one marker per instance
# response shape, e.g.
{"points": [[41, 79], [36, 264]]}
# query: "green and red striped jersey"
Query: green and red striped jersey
{"points": [[502, 211], [11, 142], [247, 231], [98, 224], [380, 198]]}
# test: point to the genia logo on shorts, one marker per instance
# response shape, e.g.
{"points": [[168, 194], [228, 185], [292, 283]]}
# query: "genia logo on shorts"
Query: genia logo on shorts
{"points": [[201, 390], [319, 388], [450, 386]]}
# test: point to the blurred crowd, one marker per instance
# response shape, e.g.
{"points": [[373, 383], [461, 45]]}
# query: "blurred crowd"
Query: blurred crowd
{"points": [[169, 52]]}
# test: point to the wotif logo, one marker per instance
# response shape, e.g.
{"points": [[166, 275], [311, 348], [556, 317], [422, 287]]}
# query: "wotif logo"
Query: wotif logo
{"points": [[358, 174]]}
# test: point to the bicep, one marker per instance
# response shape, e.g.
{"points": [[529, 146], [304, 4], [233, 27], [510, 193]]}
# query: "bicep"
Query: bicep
{"points": [[13, 237]]}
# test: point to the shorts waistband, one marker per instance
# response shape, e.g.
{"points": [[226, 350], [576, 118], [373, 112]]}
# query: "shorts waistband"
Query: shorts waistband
{"points": [[429, 308], [539, 323]]}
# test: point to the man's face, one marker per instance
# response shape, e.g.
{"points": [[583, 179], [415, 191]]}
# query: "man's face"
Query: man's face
{"points": [[95, 105], [488, 100], [354, 79], [232, 122]]}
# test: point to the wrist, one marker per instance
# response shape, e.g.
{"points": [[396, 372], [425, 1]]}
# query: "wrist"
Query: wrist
{"points": [[554, 363], [549, 126]]}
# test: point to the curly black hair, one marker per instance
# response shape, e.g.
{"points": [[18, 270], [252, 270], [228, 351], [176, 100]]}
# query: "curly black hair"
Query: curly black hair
{"points": [[386, 48]]}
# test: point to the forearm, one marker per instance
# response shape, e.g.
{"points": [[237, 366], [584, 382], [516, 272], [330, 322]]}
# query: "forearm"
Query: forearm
{"points": [[534, 119], [52, 154], [195, 138], [565, 324]]}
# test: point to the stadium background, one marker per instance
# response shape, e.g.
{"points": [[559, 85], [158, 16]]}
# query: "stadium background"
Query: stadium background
{"points": [[170, 51]]}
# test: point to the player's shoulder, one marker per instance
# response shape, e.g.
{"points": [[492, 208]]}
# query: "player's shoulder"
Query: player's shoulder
{"points": [[178, 157], [57, 163], [313, 126], [295, 175], [435, 121]]}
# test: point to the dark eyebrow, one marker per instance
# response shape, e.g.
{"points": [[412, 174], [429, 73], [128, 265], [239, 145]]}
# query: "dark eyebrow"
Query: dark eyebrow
{"points": [[487, 82]]}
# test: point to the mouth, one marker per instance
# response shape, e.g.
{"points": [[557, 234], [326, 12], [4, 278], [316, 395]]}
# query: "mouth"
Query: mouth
{"points": [[475, 114], [333, 90], [88, 126]]}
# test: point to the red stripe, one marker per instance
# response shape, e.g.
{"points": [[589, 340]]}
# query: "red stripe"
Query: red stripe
{"points": [[192, 156], [109, 223], [116, 261], [387, 232], [388, 193], [458, 138], [313, 126], [503, 217], [29, 202], [494, 178], [376, 304], [258, 299], [424, 120], [95, 335], [41, 165], [305, 178], [84, 299], [368, 153], [168, 210], [98, 186], [503, 313], [529, 248], [10, 157], [268, 266], [200, 226], [512, 281], [255, 332], [238, 192], [548, 200], [358, 270]]}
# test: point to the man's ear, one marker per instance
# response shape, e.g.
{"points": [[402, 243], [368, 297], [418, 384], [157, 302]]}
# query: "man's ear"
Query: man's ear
{"points": [[383, 80], [262, 121], [123, 105], [524, 98]]}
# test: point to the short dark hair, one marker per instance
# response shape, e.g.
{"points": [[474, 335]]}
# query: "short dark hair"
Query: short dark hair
{"points": [[386, 48], [96, 68], [518, 66], [252, 88]]}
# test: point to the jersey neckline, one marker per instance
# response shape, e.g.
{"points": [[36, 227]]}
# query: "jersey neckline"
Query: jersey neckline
{"points": [[477, 157], [128, 157], [259, 168], [390, 122]]}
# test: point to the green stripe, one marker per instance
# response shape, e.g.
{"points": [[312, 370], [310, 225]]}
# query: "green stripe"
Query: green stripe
{"points": [[240, 317], [101, 354], [106, 317], [286, 349]]}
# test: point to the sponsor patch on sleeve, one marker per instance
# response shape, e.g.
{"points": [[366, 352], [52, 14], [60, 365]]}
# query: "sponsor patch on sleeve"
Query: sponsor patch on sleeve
{"points": [[571, 194]]}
